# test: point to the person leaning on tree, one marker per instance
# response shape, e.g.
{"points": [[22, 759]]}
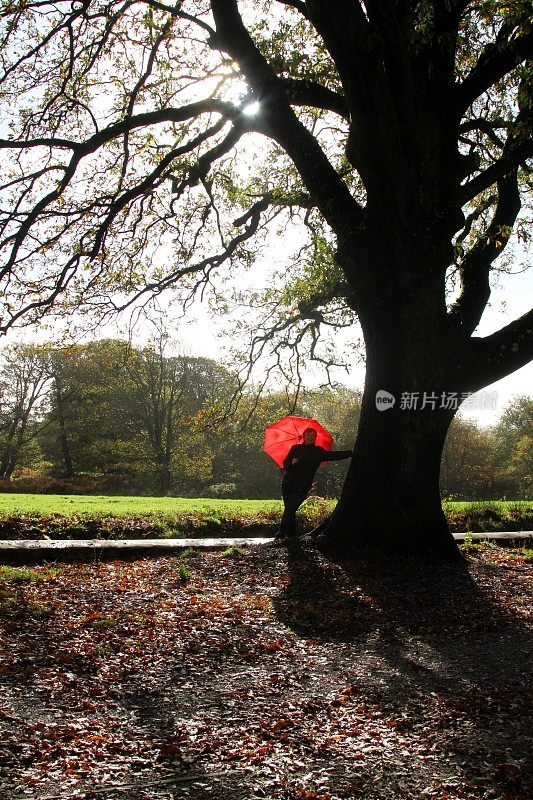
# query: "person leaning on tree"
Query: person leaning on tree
{"points": [[300, 465]]}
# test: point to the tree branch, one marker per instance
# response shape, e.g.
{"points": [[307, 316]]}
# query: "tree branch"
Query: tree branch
{"points": [[517, 147], [347, 25], [475, 269], [149, 181], [494, 63], [277, 120], [299, 5], [273, 199], [498, 355], [377, 83], [485, 126], [309, 93], [41, 305], [87, 148], [204, 266], [128, 124], [508, 162]]}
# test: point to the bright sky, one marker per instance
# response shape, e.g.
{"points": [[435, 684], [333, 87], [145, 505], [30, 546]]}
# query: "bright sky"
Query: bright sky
{"points": [[202, 336], [510, 301]]}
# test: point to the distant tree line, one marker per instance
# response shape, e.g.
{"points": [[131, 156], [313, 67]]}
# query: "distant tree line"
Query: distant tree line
{"points": [[112, 418]]}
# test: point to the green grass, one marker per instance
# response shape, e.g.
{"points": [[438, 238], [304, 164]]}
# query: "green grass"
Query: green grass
{"points": [[184, 573], [105, 623], [101, 506], [25, 574], [34, 516], [104, 505], [234, 552], [92, 506], [41, 516], [494, 505]]}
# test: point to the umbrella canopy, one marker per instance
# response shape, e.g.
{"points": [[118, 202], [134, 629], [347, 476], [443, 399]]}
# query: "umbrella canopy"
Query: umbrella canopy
{"points": [[281, 435]]}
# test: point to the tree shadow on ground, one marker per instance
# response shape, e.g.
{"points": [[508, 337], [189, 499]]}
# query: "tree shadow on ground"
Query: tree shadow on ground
{"points": [[422, 635], [390, 600]]}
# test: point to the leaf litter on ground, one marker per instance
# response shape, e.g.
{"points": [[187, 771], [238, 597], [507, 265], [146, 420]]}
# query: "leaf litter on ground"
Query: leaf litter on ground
{"points": [[282, 673]]}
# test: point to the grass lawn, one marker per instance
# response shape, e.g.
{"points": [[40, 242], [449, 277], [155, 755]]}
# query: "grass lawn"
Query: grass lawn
{"points": [[34, 516], [105, 505], [498, 505], [38, 516]]}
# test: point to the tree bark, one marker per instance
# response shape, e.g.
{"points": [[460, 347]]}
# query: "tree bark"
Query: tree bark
{"points": [[164, 475], [68, 467], [390, 500]]}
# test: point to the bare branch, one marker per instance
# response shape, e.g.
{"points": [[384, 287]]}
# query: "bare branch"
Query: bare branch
{"points": [[496, 356], [485, 126], [517, 148], [509, 161], [178, 12], [475, 268], [273, 199], [44, 303], [484, 205], [88, 147], [309, 93], [202, 268], [160, 173], [127, 125]]}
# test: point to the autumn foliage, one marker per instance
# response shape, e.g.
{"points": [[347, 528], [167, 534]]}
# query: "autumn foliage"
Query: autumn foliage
{"points": [[266, 673]]}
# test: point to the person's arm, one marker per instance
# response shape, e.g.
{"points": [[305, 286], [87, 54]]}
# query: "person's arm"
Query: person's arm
{"points": [[287, 462], [336, 455]]}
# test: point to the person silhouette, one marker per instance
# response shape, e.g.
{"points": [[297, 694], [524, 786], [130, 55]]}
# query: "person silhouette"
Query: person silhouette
{"points": [[300, 465]]}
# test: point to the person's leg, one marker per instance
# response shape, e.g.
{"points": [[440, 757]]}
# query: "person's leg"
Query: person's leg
{"points": [[292, 500]]}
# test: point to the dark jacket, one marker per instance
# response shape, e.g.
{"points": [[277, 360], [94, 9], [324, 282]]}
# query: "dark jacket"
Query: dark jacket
{"points": [[300, 476]]}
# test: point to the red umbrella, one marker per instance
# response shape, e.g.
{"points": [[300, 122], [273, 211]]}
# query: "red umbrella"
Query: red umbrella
{"points": [[281, 435]]}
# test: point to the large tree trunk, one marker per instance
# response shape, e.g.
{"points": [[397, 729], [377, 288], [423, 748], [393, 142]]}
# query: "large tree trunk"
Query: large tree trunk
{"points": [[390, 500]]}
